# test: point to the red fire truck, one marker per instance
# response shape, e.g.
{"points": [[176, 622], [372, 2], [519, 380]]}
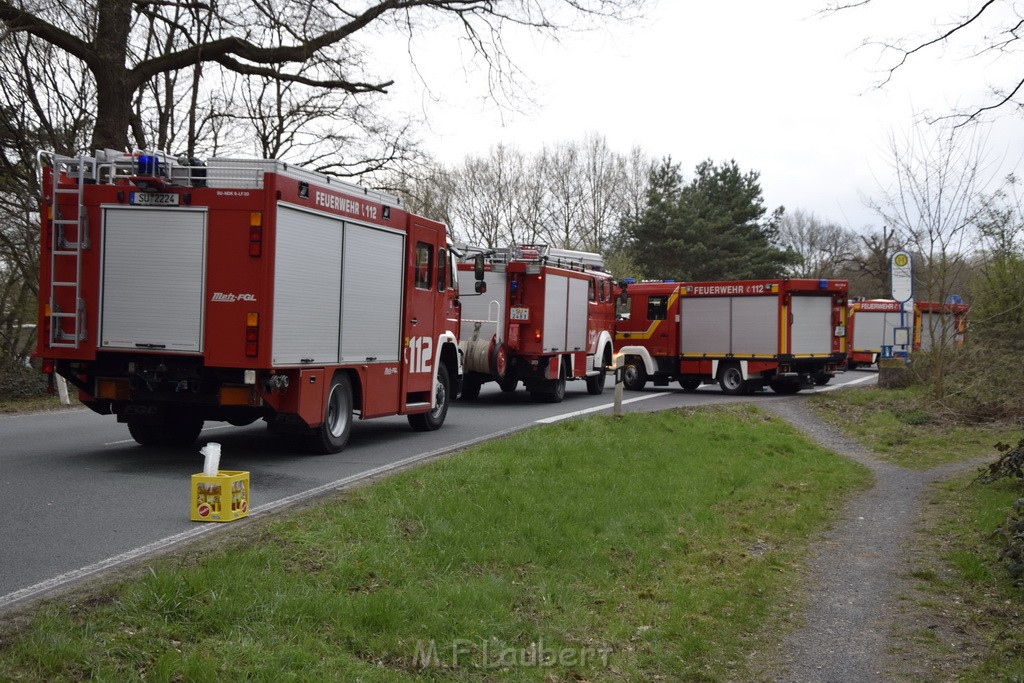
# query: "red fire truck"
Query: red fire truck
{"points": [[546, 316], [174, 292], [940, 324], [871, 326], [872, 323], [742, 334]]}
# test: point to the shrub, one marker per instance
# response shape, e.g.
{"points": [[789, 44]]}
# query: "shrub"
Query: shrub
{"points": [[19, 381], [1010, 464]]}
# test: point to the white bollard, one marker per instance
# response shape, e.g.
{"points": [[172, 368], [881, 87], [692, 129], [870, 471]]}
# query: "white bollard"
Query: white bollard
{"points": [[617, 363], [62, 390]]}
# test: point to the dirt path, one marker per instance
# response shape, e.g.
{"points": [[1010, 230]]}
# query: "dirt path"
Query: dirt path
{"points": [[857, 572]]}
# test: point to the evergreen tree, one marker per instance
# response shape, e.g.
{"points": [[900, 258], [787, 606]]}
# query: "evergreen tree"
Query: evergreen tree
{"points": [[713, 228]]}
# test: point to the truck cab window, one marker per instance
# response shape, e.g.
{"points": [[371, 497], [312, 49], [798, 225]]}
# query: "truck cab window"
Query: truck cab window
{"points": [[442, 269], [657, 307], [423, 265], [623, 306]]}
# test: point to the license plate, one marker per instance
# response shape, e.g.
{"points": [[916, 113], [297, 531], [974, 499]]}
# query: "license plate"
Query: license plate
{"points": [[153, 199], [519, 314]]}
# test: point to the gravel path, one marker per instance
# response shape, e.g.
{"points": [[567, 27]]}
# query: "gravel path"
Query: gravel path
{"points": [[858, 570]]}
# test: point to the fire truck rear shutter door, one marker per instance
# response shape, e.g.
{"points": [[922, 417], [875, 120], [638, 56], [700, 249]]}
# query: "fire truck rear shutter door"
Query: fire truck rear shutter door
{"points": [[812, 325], [556, 295], [705, 325], [870, 329], [371, 294], [931, 327], [576, 323], [154, 270], [307, 287], [755, 325]]}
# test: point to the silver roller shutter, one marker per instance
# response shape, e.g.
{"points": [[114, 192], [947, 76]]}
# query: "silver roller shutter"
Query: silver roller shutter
{"points": [[811, 331], [576, 324], [307, 287], [371, 327], [556, 293], [154, 275], [706, 327], [755, 325]]}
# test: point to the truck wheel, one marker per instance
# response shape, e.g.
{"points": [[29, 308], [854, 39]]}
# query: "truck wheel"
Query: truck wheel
{"points": [[850, 365], [147, 434], [784, 386], [634, 376], [177, 431], [509, 384], [554, 392], [690, 383], [821, 379], [470, 387], [595, 383], [332, 434], [434, 418], [730, 378]]}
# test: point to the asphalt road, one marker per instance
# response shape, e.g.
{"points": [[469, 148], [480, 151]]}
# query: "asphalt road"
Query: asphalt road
{"points": [[78, 496]]}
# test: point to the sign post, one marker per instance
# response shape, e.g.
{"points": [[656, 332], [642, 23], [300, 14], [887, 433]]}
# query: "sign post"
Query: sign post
{"points": [[901, 270]]}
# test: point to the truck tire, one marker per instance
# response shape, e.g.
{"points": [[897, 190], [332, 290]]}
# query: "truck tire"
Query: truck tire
{"points": [[785, 386], [554, 391], [333, 432], [689, 383], [730, 378], [821, 379], [595, 383], [508, 385], [634, 375], [434, 418], [177, 431]]}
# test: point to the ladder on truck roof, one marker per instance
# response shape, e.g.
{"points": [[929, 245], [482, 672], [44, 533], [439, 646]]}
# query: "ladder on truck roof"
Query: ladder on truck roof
{"points": [[69, 236], [570, 259]]}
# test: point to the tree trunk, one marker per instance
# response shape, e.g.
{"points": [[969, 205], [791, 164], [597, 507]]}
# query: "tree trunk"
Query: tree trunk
{"points": [[114, 83]]}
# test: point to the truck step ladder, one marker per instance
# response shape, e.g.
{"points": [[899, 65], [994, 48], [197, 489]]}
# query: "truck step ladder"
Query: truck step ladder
{"points": [[69, 236]]}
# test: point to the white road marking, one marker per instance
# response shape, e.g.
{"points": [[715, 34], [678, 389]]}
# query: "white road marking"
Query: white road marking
{"points": [[845, 384], [566, 416]]}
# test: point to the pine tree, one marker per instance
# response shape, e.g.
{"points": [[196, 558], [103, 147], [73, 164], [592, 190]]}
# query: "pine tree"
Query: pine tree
{"points": [[713, 228]]}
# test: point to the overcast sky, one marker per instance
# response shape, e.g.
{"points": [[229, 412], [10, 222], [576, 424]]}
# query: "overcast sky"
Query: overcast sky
{"points": [[776, 86]]}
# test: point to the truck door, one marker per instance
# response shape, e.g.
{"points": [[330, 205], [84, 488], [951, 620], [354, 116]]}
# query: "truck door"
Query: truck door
{"points": [[425, 308]]}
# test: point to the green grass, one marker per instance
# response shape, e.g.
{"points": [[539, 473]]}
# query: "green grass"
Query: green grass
{"points": [[31, 405], [652, 546], [967, 587], [903, 427], [967, 620]]}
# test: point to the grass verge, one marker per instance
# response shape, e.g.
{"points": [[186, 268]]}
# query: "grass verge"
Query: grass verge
{"points": [[964, 618], [901, 427], [656, 546], [33, 405]]}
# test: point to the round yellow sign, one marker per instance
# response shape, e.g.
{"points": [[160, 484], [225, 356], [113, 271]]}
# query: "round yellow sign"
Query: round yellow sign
{"points": [[901, 260]]}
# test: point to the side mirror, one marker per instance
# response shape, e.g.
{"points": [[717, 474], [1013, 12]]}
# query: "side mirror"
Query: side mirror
{"points": [[480, 287], [478, 268]]}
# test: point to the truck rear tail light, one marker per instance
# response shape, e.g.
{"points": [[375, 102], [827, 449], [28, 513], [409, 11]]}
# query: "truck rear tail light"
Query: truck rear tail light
{"points": [[252, 334], [236, 396], [48, 366], [113, 389], [256, 233]]}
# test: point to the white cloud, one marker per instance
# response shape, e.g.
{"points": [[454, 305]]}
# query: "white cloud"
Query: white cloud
{"points": [[777, 86]]}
